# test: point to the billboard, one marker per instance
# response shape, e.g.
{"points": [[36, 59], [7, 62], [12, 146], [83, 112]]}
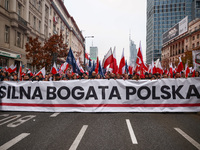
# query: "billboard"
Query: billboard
{"points": [[176, 30]]}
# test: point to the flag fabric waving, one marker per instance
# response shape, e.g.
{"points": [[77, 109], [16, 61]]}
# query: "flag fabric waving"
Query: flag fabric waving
{"points": [[54, 69], [97, 65], [108, 59], [42, 71], [114, 65], [72, 61], [122, 64], [139, 59], [180, 65]]}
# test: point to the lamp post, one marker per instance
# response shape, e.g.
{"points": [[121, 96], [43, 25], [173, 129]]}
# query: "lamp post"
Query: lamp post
{"points": [[85, 47]]}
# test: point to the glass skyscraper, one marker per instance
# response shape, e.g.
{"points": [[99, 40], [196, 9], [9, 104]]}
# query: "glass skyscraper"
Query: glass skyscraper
{"points": [[133, 52], [161, 16]]}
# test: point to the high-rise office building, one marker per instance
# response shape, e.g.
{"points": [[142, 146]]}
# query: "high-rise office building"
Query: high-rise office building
{"points": [[195, 9], [133, 52], [93, 52], [161, 16]]}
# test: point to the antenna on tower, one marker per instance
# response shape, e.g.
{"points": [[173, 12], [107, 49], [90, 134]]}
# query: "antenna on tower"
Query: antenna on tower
{"points": [[130, 35]]}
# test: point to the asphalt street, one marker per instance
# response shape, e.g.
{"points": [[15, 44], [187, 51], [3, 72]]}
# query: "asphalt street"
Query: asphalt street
{"points": [[99, 131]]}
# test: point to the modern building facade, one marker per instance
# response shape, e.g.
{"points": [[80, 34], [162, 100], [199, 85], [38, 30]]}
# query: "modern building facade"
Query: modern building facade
{"points": [[195, 9], [93, 52], [133, 52], [161, 16], [178, 46], [21, 19]]}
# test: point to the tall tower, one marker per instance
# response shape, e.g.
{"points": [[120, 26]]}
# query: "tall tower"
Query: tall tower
{"points": [[161, 16], [133, 51]]}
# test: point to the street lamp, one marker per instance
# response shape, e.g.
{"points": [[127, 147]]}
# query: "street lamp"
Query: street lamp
{"points": [[85, 46]]}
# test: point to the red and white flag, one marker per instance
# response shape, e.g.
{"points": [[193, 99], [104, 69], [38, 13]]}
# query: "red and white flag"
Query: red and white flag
{"points": [[122, 64], [180, 65], [114, 65], [20, 72], [187, 70], [54, 69], [6, 69], [29, 72], [131, 67], [12, 68], [194, 70], [79, 66], [42, 71], [87, 56], [108, 59], [97, 65], [139, 59], [64, 67]]}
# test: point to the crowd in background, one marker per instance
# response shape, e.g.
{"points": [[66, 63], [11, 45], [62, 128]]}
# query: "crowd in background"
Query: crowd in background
{"points": [[6, 76]]}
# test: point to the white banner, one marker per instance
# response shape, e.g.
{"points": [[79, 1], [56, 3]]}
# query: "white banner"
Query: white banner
{"points": [[165, 95]]}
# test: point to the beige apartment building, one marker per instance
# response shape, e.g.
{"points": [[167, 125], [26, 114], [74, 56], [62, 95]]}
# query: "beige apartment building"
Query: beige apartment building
{"points": [[177, 47], [21, 19]]}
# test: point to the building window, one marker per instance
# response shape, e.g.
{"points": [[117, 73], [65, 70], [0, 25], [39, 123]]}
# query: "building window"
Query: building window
{"points": [[193, 45], [197, 44], [39, 5], [6, 4], [49, 23], [7, 31], [39, 27], [50, 11], [19, 9], [18, 39], [197, 36], [34, 22], [193, 37]]}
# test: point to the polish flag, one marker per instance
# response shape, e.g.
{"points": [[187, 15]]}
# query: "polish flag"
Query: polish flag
{"points": [[114, 65], [139, 59], [42, 71], [54, 69], [29, 72], [160, 68], [122, 64], [6, 69], [193, 73], [180, 65], [187, 70], [64, 67], [150, 68], [20, 72], [166, 71], [79, 66], [131, 67], [87, 56], [12, 68], [97, 65], [153, 67], [171, 70], [108, 59]]}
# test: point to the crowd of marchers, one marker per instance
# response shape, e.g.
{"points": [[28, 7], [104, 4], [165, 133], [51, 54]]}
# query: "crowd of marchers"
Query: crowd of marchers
{"points": [[6, 76]]}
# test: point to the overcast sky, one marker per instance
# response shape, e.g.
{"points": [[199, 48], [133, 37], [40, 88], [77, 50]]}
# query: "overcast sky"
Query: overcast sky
{"points": [[110, 22]]}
